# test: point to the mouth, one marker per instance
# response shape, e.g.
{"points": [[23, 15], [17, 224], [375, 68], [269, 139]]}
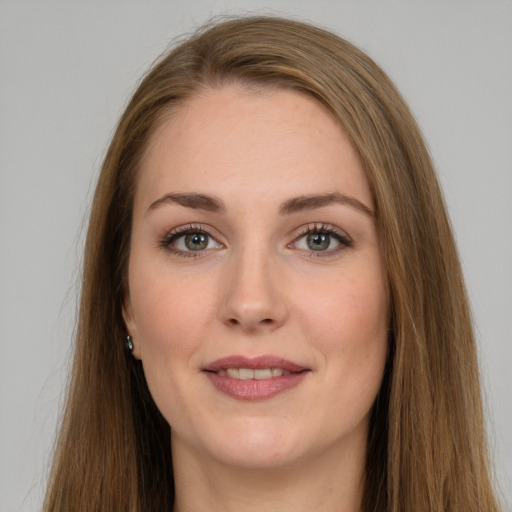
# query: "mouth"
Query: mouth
{"points": [[249, 373], [254, 378]]}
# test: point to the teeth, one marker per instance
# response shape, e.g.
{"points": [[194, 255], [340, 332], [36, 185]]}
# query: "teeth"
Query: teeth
{"points": [[234, 373], [249, 373], [246, 374], [263, 374]]}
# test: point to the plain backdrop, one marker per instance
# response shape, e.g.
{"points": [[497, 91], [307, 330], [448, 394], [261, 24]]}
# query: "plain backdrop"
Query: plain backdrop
{"points": [[66, 71]]}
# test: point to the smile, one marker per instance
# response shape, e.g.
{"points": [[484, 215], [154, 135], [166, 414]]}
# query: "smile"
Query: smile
{"points": [[249, 373], [259, 378]]}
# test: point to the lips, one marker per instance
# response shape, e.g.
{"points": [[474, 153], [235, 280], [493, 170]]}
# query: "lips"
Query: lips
{"points": [[249, 373], [257, 378], [254, 363]]}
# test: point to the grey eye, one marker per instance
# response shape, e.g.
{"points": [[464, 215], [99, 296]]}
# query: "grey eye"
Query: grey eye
{"points": [[322, 239], [196, 241], [318, 241], [193, 241]]}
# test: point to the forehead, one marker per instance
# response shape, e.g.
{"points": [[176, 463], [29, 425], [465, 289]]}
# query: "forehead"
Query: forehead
{"points": [[234, 139]]}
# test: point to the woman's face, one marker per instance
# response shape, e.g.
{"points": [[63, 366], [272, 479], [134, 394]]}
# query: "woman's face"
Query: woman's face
{"points": [[258, 302]]}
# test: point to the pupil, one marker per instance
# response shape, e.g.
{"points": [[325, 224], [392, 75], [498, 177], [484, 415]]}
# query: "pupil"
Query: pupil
{"points": [[318, 242], [196, 241]]}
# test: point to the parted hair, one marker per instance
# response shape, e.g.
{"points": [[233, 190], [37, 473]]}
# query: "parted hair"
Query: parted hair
{"points": [[427, 446]]}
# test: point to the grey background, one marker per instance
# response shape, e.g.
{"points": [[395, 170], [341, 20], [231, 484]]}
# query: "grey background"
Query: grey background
{"points": [[67, 69]]}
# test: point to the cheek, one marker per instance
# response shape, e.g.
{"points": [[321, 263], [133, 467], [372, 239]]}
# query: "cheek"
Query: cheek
{"points": [[349, 308], [347, 320], [169, 315], [167, 311]]}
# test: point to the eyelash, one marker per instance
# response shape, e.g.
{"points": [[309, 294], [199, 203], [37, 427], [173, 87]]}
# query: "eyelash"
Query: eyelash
{"points": [[311, 229], [327, 230], [168, 241]]}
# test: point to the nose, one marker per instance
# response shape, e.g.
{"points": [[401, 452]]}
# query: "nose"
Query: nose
{"points": [[254, 293]]}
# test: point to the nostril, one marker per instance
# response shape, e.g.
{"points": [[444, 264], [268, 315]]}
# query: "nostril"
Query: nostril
{"points": [[264, 321]]}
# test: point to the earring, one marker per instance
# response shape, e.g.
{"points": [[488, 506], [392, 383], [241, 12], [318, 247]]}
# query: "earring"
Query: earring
{"points": [[129, 344]]}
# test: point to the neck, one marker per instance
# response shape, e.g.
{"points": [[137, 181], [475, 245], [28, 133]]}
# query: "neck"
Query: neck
{"points": [[331, 482]]}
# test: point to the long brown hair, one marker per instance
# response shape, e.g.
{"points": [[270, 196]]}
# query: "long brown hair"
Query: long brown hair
{"points": [[427, 447]]}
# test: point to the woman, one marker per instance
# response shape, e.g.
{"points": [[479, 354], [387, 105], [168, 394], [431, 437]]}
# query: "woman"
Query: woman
{"points": [[269, 237]]}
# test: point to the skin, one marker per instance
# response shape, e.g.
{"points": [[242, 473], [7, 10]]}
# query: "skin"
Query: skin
{"points": [[259, 289]]}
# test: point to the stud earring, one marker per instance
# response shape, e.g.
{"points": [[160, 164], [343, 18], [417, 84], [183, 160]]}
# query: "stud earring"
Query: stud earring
{"points": [[129, 344]]}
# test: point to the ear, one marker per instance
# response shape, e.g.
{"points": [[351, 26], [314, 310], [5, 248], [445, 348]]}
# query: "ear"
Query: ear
{"points": [[131, 325]]}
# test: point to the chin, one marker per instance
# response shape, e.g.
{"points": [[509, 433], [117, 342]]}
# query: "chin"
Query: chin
{"points": [[255, 445], [254, 456]]}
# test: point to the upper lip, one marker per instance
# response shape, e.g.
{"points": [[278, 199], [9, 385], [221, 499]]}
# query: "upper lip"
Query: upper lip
{"points": [[266, 361]]}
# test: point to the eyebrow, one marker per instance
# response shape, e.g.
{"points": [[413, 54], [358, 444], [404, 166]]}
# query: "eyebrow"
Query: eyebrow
{"points": [[190, 200], [294, 205], [303, 203]]}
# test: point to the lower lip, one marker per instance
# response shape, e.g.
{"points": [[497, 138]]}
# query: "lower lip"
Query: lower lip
{"points": [[255, 389]]}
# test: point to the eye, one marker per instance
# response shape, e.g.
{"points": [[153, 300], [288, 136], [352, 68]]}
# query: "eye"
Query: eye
{"points": [[321, 239], [193, 242], [189, 239], [320, 242]]}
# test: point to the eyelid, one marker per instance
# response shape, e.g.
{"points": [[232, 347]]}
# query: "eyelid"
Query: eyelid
{"points": [[323, 228], [166, 242], [344, 240]]}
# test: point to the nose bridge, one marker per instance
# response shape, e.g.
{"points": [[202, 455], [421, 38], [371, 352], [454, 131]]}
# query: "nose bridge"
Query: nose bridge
{"points": [[253, 298]]}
